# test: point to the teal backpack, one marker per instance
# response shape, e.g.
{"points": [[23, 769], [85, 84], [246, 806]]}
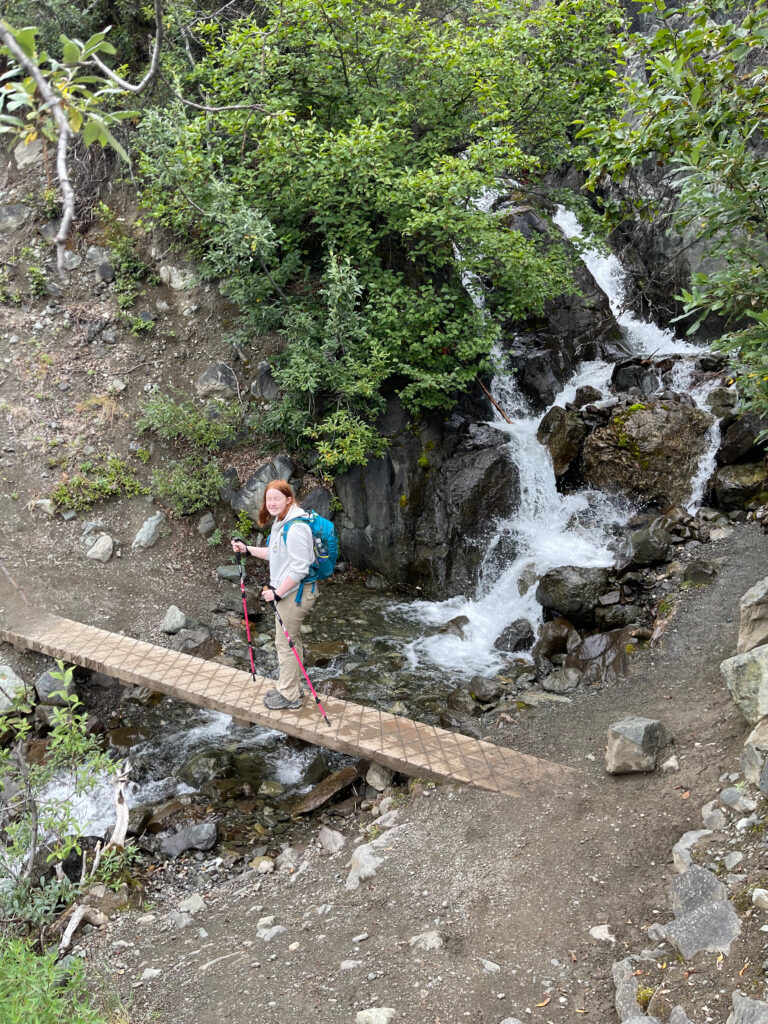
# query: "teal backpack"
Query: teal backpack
{"points": [[326, 545]]}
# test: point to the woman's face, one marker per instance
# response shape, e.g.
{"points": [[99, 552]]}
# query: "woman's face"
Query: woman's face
{"points": [[276, 502]]}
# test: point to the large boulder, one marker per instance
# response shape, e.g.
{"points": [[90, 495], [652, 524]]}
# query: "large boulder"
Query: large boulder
{"points": [[563, 432], [423, 513], [572, 591], [249, 497], [753, 756], [746, 676], [217, 381], [739, 442], [602, 658], [649, 451], [650, 545], [637, 375], [555, 637], [740, 485], [753, 622]]}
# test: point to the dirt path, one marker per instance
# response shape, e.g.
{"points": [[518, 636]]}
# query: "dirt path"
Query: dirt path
{"points": [[517, 883]]}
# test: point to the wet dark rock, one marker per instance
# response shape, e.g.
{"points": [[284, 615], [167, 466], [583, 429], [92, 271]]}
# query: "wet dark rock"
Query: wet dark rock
{"points": [[635, 374], [722, 402], [739, 443], [231, 484], [602, 657], [455, 626], [326, 789], [649, 451], [648, 546], [323, 652], [572, 591], [619, 615], [585, 395], [738, 485], [459, 703], [555, 637], [485, 690], [193, 837], [517, 636], [563, 432], [199, 768]]}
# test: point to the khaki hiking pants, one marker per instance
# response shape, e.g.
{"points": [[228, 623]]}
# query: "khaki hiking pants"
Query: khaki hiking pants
{"points": [[293, 615]]}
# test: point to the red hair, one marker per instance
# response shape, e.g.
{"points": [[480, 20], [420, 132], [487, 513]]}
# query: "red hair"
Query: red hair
{"points": [[275, 485]]}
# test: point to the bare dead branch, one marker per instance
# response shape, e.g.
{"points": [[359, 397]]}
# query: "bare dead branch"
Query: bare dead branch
{"points": [[81, 914]]}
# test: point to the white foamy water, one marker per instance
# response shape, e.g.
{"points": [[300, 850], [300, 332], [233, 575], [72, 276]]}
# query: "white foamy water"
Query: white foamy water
{"points": [[549, 528]]}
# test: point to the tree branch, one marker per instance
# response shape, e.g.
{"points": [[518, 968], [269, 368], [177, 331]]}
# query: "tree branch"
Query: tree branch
{"points": [[64, 136], [32, 805], [154, 64]]}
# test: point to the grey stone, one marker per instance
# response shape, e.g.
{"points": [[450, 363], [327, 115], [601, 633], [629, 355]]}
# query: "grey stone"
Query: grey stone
{"points": [[737, 800], [681, 851], [763, 781], [27, 154], [229, 572], [562, 680], [712, 817], [174, 620], [217, 381], [679, 1016], [72, 260], [722, 401], [106, 272], [760, 898], [747, 1011], [149, 534], [428, 942], [96, 254], [736, 486], [194, 904], [732, 860], [562, 432], [376, 1015], [572, 591], [555, 637], [46, 688], [379, 777], [206, 525], [753, 755], [101, 549], [178, 919], [288, 860], [11, 686], [633, 744], [696, 887], [626, 984], [178, 278], [193, 837], [265, 385], [746, 676], [753, 617], [267, 934], [711, 927], [330, 840], [318, 500], [13, 216]]}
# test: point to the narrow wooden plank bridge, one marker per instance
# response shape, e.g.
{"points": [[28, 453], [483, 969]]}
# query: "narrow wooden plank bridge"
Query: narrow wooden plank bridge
{"points": [[406, 746]]}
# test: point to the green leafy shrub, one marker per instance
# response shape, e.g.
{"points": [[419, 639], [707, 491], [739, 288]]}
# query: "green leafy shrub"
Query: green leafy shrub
{"points": [[101, 478], [189, 485], [35, 990], [130, 268], [184, 420], [38, 283], [40, 828], [332, 196], [699, 113]]}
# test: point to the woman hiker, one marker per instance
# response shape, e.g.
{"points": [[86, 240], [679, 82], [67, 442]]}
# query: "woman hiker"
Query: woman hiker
{"points": [[290, 552]]}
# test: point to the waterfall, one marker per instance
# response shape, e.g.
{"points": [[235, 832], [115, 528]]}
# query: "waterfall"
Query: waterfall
{"points": [[548, 529]]}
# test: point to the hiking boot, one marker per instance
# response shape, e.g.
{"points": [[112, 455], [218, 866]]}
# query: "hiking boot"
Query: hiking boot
{"points": [[275, 701]]}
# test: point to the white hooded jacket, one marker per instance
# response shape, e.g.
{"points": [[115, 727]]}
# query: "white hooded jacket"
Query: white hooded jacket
{"points": [[292, 551]]}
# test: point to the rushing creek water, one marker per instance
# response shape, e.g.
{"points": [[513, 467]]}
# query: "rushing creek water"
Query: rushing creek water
{"points": [[393, 654]]}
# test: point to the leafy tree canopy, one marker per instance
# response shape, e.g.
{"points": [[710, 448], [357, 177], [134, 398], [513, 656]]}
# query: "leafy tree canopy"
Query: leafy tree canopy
{"points": [[332, 179], [693, 97]]}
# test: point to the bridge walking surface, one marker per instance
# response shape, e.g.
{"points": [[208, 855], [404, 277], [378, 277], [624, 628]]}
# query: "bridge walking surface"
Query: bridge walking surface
{"points": [[414, 748]]}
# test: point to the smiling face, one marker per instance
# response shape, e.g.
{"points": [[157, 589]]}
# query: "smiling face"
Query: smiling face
{"points": [[276, 502]]}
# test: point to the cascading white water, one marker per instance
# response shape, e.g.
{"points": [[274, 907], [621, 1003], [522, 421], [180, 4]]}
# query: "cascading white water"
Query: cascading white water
{"points": [[549, 528]]}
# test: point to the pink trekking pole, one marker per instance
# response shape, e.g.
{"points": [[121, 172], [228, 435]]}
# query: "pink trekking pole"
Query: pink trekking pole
{"points": [[292, 645], [245, 612]]}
